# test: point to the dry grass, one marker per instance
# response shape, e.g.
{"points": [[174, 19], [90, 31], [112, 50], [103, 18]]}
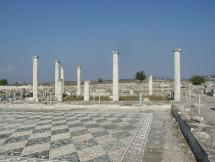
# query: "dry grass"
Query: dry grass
{"points": [[81, 98], [73, 98], [129, 98], [102, 98], [158, 98], [122, 98]]}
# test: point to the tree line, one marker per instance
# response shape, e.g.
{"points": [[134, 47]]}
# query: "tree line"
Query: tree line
{"points": [[195, 79], [3, 82], [140, 75]]}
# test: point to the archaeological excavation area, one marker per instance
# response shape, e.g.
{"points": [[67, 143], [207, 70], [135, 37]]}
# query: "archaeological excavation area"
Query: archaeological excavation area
{"points": [[107, 121]]}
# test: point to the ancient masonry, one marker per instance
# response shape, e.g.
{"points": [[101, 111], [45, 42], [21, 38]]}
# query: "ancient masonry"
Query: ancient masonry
{"points": [[59, 79], [62, 76], [86, 90], [115, 76], [150, 85], [78, 137], [177, 94], [35, 78], [78, 80], [57, 75]]}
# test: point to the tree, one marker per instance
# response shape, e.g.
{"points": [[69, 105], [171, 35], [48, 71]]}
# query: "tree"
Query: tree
{"points": [[197, 80], [100, 80], [140, 75], [3, 82]]}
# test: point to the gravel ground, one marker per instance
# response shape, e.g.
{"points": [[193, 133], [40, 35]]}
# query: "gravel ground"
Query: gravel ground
{"points": [[208, 113]]}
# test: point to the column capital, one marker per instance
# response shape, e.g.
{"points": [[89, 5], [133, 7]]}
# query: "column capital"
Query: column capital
{"points": [[177, 50], [78, 66], [115, 52], [35, 57], [57, 61]]}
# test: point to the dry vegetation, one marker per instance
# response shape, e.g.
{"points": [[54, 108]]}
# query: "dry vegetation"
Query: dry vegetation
{"points": [[122, 98]]}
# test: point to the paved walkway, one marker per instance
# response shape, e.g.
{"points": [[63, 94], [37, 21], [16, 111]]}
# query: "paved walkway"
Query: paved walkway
{"points": [[90, 137], [165, 142]]}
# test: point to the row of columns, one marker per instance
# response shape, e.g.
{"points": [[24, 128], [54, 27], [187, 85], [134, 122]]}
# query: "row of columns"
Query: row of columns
{"points": [[177, 76], [115, 79], [115, 84], [59, 79]]}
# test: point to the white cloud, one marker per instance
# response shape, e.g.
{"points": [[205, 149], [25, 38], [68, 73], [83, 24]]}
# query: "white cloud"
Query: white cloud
{"points": [[7, 68]]}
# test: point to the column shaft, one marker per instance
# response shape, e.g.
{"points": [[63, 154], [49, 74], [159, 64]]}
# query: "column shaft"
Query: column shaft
{"points": [[62, 76], [35, 78], [78, 80], [57, 75], [59, 90], [177, 93], [150, 85], [86, 91], [115, 76]]}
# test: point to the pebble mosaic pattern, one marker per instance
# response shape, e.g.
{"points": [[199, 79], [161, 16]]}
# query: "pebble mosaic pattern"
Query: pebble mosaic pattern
{"points": [[73, 136]]}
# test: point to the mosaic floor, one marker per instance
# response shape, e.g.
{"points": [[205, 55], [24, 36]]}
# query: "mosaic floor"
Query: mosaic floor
{"points": [[73, 136]]}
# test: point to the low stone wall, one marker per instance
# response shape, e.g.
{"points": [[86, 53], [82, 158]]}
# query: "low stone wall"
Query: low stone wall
{"points": [[82, 106], [198, 150]]}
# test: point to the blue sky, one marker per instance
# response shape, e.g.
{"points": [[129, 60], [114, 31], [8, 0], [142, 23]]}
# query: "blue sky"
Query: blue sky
{"points": [[85, 32]]}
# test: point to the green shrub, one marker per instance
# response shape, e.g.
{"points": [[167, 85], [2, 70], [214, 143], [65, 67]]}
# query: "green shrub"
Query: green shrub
{"points": [[197, 80], [140, 75], [3, 82]]}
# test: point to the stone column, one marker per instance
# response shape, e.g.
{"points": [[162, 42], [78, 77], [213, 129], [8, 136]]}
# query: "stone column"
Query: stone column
{"points": [[150, 85], [78, 80], [14, 96], [57, 75], [62, 76], [35, 78], [21, 94], [86, 91], [177, 93], [59, 90], [115, 76], [50, 96]]}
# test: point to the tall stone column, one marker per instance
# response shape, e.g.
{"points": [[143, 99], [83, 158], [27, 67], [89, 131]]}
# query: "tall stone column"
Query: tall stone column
{"points": [[177, 93], [115, 76], [86, 91], [59, 94], [57, 75], [62, 76], [35, 78], [150, 85], [78, 80]]}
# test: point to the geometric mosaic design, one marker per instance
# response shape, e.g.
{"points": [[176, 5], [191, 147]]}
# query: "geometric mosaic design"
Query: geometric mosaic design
{"points": [[73, 136]]}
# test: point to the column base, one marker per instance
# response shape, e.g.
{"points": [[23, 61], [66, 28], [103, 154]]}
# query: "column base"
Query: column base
{"points": [[177, 97], [115, 99]]}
